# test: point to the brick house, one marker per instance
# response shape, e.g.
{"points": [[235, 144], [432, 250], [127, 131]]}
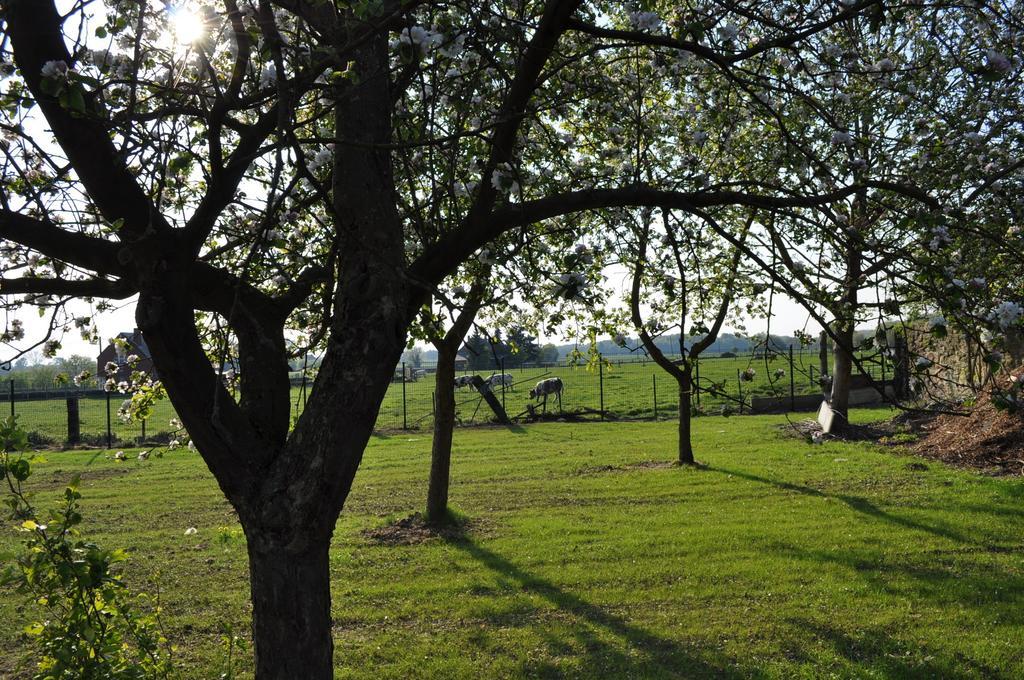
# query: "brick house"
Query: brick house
{"points": [[133, 344]]}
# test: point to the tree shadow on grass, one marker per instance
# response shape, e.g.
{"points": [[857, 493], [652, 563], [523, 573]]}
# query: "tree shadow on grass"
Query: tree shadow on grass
{"points": [[950, 581], [882, 653], [635, 652], [856, 503]]}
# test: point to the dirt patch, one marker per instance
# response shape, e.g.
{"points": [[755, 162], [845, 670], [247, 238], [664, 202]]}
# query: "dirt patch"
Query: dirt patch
{"points": [[810, 430], [414, 529], [988, 439]]}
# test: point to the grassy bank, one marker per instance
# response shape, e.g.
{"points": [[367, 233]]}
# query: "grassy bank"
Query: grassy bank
{"points": [[583, 559]]}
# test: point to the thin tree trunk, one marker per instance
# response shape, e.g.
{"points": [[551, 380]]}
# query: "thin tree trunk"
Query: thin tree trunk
{"points": [[444, 424], [685, 442], [291, 615]]}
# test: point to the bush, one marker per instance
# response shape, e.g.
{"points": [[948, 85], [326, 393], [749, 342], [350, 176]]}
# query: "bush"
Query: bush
{"points": [[90, 626]]}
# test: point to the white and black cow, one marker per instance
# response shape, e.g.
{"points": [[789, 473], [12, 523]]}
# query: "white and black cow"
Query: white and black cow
{"points": [[463, 381], [546, 387], [496, 379]]}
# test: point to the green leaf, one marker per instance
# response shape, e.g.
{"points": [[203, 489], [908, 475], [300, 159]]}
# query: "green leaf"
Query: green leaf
{"points": [[19, 469]]}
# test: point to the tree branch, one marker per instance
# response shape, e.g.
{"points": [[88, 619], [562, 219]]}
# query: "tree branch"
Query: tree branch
{"points": [[44, 236], [35, 29]]}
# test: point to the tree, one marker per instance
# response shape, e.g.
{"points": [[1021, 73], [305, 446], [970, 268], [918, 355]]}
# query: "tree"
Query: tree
{"points": [[548, 354], [447, 344], [689, 277], [413, 357], [523, 347], [477, 351]]}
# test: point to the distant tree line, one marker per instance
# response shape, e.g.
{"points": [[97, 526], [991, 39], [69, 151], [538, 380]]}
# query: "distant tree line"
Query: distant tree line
{"points": [[510, 350], [30, 375]]}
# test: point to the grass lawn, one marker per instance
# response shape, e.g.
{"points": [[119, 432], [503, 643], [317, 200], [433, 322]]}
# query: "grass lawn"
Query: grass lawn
{"points": [[780, 559]]}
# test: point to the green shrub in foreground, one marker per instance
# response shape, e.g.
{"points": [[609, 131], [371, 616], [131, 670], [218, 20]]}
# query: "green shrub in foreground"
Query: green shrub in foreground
{"points": [[89, 625]]}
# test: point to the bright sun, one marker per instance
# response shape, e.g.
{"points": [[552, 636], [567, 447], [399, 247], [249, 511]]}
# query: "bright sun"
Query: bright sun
{"points": [[186, 25]]}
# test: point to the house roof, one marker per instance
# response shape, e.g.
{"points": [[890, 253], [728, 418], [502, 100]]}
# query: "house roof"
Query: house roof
{"points": [[137, 341]]}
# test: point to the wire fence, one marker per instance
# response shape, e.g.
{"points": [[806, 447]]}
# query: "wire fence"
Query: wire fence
{"points": [[628, 388], [613, 388]]}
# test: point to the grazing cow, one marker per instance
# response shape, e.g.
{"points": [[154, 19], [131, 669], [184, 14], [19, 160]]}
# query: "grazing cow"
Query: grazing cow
{"points": [[463, 381], [496, 379], [546, 387]]}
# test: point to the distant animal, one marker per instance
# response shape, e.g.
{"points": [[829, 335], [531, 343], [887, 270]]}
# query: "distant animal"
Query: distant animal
{"points": [[496, 379], [463, 381], [546, 387]]}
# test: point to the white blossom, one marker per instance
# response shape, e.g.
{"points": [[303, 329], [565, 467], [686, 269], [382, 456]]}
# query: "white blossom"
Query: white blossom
{"points": [[885, 65], [571, 285], [728, 32], [321, 158], [1006, 314], [619, 339], [645, 21], [998, 61], [420, 37], [940, 237], [269, 75], [842, 138], [15, 331], [503, 180], [55, 69]]}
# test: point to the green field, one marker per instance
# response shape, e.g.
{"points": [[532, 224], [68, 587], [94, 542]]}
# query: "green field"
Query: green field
{"points": [[583, 559], [629, 392]]}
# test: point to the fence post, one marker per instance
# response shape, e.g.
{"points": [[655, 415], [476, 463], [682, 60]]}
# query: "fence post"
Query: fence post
{"points": [[696, 383], [74, 424], [823, 353], [405, 418], [12, 396], [433, 405], [600, 375], [501, 369], [792, 383], [142, 438], [654, 386], [110, 435], [812, 375], [739, 387]]}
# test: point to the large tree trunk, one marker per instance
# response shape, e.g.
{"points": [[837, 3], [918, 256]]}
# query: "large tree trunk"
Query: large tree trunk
{"points": [[444, 424], [685, 443], [846, 319], [842, 376], [291, 610]]}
